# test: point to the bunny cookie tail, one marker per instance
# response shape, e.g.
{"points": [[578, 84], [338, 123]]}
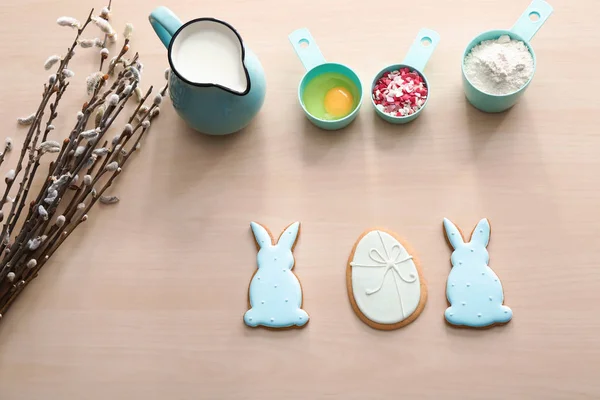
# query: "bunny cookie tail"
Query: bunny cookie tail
{"points": [[451, 316], [249, 318], [505, 314], [302, 317]]}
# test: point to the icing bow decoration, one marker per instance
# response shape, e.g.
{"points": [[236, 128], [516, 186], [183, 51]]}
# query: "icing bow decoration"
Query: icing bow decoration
{"points": [[390, 263]]}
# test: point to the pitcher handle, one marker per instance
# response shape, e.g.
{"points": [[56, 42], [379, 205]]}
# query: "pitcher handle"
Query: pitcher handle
{"points": [[165, 24]]}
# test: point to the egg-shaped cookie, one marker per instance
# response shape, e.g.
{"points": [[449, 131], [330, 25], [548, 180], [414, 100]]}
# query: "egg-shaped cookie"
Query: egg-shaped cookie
{"points": [[384, 280]]}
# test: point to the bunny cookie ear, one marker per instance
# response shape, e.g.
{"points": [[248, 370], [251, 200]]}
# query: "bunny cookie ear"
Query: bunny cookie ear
{"points": [[261, 234], [453, 234], [481, 234], [288, 237]]}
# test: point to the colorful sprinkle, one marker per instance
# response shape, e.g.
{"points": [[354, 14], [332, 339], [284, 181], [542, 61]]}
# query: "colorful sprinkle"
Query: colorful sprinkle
{"points": [[400, 93]]}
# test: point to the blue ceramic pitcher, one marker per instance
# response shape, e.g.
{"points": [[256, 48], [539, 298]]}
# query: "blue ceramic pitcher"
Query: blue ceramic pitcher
{"points": [[217, 84]]}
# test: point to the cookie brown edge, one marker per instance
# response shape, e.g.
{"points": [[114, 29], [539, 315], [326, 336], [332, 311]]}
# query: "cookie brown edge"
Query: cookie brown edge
{"points": [[479, 328], [270, 328], [422, 301]]}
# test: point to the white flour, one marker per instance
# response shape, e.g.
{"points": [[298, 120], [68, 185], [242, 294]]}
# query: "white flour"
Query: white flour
{"points": [[500, 66]]}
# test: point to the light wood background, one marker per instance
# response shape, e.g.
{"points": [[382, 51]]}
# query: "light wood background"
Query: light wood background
{"points": [[147, 301]]}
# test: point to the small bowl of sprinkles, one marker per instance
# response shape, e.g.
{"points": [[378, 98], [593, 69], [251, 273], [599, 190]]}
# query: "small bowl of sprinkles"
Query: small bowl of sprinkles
{"points": [[400, 92]]}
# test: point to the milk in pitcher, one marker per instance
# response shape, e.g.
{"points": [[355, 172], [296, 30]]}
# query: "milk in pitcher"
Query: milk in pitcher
{"points": [[210, 52]]}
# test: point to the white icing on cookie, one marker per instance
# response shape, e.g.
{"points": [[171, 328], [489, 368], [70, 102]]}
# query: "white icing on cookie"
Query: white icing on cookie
{"points": [[385, 280]]}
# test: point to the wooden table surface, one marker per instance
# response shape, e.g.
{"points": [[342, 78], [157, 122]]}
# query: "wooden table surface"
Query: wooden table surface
{"points": [[146, 302]]}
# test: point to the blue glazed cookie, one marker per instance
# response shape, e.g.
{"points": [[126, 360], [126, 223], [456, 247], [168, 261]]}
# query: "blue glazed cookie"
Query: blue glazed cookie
{"points": [[473, 290]]}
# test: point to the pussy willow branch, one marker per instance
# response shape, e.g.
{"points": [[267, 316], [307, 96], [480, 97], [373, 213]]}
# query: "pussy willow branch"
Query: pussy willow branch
{"points": [[48, 92], [77, 177], [102, 57], [58, 236], [96, 100], [6, 147], [34, 160]]}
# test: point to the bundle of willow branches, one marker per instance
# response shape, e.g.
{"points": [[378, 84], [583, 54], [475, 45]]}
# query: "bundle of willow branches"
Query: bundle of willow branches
{"points": [[81, 167]]}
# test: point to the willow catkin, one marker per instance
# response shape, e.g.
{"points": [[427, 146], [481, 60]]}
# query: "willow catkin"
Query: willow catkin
{"points": [[103, 24], [109, 199], [69, 22], [112, 166], [51, 61], [26, 120]]}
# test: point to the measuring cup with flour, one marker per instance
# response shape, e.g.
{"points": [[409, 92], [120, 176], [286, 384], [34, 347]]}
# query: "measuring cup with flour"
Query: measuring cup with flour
{"points": [[496, 67]]}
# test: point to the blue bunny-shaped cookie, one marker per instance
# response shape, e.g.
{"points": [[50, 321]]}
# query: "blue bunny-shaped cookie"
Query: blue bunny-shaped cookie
{"points": [[473, 290], [275, 292]]}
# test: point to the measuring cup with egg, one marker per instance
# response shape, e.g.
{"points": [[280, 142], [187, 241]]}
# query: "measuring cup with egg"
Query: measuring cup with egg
{"points": [[329, 93], [400, 92], [499, 89]]}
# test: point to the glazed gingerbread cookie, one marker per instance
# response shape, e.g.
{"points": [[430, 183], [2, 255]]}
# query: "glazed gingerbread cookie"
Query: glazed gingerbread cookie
{"points": [[473, 290], [384, 280], [275, 294]]}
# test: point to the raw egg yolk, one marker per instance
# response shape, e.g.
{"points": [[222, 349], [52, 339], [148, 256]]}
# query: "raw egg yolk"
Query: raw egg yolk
{"points": [[338, 102]]}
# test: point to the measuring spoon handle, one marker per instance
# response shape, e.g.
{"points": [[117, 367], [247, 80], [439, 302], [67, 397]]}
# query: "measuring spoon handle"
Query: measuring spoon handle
{"points": [[306, 48], [532, 19], [422, 49]]}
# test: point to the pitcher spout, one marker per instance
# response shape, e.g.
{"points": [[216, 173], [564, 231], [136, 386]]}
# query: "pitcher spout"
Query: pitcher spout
{"points": [[207, 52]]}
